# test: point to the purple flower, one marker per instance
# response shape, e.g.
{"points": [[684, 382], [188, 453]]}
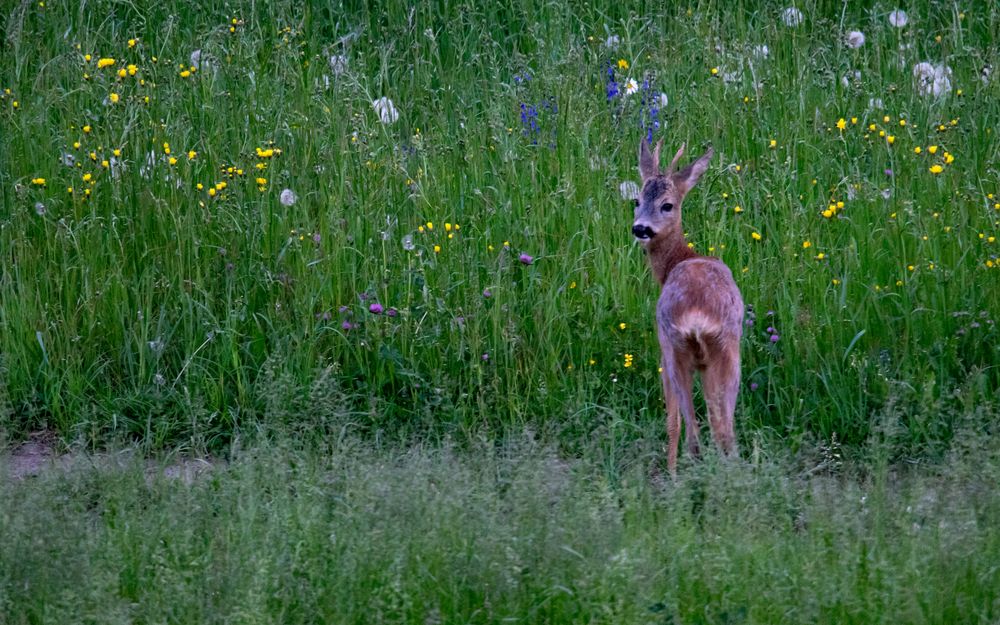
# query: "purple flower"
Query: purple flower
{"points": [[487, 293], [888, 172], [347, 325], [525, 259], [753, 386], [486, 356], [316, 238], [375, 309], [770, 330], [774, 338], [323, 316], [392, 312], [343, 309]]}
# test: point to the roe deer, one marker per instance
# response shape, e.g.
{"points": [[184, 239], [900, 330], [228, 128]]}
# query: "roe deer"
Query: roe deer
{"points": [[699, 316]]}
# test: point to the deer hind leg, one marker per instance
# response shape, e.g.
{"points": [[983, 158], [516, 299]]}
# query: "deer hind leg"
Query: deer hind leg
{"points": [[681, 372], [673, 418], [721, 382]]}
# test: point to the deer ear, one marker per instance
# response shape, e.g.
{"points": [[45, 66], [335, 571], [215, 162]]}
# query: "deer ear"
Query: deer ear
{"points": [[649, 164], [688, 177]]}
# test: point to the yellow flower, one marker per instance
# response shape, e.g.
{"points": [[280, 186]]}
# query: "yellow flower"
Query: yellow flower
{"points": [[114, 97], [715, 71], [622, 326], [854, 120], [105, 164], [131, 43], [87, 176], [917, 150], [261, 182], [430, 226], [737, 209], [86, 129], [87, 57], [820, 256], [116, 152], [191, 155], [622, 64], [902, 122], [106, 62], [437, 249], [447, 227], [932, 149], [773, 144], [122, 73], [38, 182], [806, 244], [199, 186], [891, 139], [756, 236], [885, 119], [936, 169], [185, 74], [132, 69], [76, 145], [948, 158], [841, 123], [212, 192]]}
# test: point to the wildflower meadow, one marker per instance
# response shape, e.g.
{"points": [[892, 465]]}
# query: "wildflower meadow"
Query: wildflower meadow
{"points": [[374, 263]]}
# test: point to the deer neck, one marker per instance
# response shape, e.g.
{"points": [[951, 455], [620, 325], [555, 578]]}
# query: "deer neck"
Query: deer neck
{"points": [[666, 252]]}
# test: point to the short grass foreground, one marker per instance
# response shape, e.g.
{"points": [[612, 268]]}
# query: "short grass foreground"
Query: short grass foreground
{"points": [[510, 533], [214, 215]]}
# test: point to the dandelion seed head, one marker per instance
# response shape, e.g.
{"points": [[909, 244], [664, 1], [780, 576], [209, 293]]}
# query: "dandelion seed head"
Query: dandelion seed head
{"points": [[386, 110], [792, 17], [898, 18], [288, 197]]}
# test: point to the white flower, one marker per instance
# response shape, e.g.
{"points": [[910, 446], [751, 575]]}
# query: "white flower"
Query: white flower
{"points": [[849, 76], [386, 110], [855, 39], [932, 80], [408, 244], [629, 190], [792, 17], [39, 208], [68, 159], [338, 64], [612, 42], [730, 77], [875, 104], [196, 59], [984, 75], [288, 197], [886, 194], [662, 100], [761, 52], [631, 86], [898, 18]]}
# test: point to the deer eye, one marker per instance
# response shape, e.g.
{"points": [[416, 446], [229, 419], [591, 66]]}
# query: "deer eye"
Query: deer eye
{"points": [[667, 207], [637, 202]]}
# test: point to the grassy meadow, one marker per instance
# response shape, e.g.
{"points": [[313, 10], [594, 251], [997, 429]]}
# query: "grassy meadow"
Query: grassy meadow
{"points": [[377, 256]]}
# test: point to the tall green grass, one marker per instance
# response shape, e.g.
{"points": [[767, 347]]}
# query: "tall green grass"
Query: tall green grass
{"points": [[348, 533], [151, 310]]}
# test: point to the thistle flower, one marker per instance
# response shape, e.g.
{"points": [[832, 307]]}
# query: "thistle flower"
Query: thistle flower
{"points": [[855, 39], [898, 18], [525, 259], [375, 309], [288, 197]]}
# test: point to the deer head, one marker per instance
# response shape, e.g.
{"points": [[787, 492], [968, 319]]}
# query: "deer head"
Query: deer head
{"points": [[658, 207]]}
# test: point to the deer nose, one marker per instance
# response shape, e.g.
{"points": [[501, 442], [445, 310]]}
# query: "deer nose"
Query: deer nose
{"points": [[642, 232]]}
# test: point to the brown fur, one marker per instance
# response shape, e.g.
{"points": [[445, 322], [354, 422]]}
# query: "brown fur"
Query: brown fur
{"points": [[699, 313]]}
